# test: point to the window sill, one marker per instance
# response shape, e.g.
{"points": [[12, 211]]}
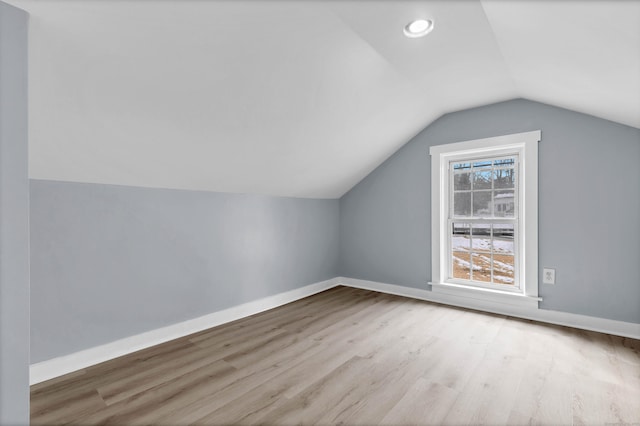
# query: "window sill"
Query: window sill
{"points": [[487, 295]]}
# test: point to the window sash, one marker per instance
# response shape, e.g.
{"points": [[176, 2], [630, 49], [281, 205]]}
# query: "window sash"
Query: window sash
{"points": [[515, 287], [476, 159]]}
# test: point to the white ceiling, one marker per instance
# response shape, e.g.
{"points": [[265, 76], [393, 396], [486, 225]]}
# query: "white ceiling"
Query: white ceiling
{"points": [[299, 98]]}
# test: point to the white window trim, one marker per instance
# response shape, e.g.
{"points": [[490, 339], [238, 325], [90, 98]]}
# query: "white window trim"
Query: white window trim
{"points": [[526, 144]]}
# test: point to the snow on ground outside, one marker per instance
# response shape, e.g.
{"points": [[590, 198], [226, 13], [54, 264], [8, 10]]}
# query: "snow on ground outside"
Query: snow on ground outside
{"points": [[466, 264], [502, 267]]}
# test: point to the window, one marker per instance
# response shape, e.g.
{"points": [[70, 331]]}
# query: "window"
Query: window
{"points": [[483, 222], [484, 218]]}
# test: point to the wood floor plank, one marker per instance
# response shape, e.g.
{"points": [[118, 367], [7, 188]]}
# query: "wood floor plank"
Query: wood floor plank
{"points": [[424, 403], [351, 356], [452, 363], [149, 378], [58, 412], [150, 406], [108, 372], [490, 393], [388, 377], [310, 405], [597, 402]]}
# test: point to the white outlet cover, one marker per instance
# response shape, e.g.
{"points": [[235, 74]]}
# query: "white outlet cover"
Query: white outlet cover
{"points": [[548, 276]]}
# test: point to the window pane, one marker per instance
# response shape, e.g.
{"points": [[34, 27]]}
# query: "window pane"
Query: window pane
{"points": [[482, 164], [460, 239], [482, 203], [481, 237], [503, 203], [461, 166], [482, 179], [503, 239], [481, 230], [504, 162], [504, 178], [461, 265], [503, 267], [482, 266], [462, 204], [461, 181], [481, 252]]}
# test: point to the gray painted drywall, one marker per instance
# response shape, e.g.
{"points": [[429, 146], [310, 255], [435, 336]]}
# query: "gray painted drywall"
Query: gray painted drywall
{"points": [[109, 262], [14, 219], [589, 207]]}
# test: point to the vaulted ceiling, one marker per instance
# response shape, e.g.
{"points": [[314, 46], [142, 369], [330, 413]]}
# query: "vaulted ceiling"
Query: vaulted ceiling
{"points": [[299, 98]]}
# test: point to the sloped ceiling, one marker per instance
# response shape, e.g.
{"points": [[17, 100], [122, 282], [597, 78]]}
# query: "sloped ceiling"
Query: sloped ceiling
{"points": [[299, 98]]}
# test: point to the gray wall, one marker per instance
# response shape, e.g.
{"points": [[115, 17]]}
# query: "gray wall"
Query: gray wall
{"points": [[14, 219], [589, 207], [111, 261]]}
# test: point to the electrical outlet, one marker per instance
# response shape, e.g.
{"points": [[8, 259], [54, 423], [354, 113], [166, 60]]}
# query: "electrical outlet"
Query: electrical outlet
{"points": [[548, 276]]}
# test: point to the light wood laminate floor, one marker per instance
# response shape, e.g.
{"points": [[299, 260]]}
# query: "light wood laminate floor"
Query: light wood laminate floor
{"points": [[352, 356]]}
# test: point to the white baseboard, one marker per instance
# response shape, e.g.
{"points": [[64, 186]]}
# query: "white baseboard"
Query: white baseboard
{"points": [[618, 328], [55, 367]]}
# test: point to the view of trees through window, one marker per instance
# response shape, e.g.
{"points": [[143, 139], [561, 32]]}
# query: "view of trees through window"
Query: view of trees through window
{"points": [[483, 226]]}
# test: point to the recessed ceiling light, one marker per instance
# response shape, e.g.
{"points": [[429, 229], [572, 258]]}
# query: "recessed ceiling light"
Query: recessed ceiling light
{"points": [[418, 28]]}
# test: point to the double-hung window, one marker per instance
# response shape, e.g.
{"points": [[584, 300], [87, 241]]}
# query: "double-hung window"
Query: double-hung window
{"points": [[484, 218]]}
